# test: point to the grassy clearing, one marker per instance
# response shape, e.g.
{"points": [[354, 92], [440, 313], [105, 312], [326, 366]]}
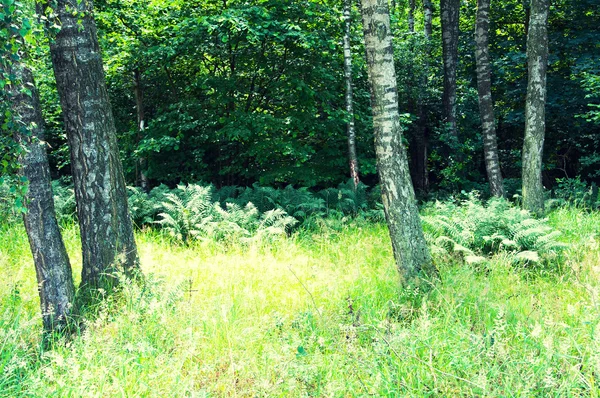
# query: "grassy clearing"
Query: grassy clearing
{"points": [[319, 314]]}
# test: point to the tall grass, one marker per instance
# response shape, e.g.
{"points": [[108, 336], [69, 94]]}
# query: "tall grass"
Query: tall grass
{"points": [[317, 314]]}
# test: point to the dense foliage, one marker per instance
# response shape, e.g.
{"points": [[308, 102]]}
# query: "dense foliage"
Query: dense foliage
{"points": [[233, 93]]}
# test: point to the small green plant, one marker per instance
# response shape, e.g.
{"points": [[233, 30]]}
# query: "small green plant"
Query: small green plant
{"points": [[186, 211]]}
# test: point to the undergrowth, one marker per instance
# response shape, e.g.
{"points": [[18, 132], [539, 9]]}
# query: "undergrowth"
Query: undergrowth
{"points": [[476, 229], [319, 313]]}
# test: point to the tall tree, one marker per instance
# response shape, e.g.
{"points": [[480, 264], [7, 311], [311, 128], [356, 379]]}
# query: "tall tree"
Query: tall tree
{"points": [[410, 250], [449, 10], [142, 164], [350, 127], [107, 237], [486, 104], [535, 103], [420, 147], [411, 16], [53, 270], [427, 17]]}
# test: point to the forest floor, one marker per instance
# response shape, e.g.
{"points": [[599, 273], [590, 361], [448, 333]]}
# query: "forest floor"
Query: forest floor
{"points": [[318, 314]]}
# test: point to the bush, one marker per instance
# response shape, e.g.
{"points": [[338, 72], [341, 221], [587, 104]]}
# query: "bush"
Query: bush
{"points": [[476, 229], [190, 213], [574, 192]]}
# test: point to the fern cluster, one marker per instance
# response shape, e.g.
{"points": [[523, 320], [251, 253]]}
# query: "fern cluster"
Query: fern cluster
{"points": [[304, 204], [477, 229], [190, 212]]}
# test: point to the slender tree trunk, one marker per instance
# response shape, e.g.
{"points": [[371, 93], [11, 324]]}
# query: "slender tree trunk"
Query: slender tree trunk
{"points": [[535, 122], [106, 230], [52, 267], [138, 90], [486, 104], [352, 158], [450, 18], [420, 147], [409, 247], [411, 16], [427, 17]]}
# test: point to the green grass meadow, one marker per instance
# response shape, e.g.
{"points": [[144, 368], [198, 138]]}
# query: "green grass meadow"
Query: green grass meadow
{"points": [[317, 314]]}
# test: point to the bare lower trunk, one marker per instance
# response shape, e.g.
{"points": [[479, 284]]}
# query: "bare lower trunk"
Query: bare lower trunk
{"points": [[535, 122], [409, 247], [486, 104], [107, 238], [352, 158], [449, 10], [138, 91], [52, 267]]}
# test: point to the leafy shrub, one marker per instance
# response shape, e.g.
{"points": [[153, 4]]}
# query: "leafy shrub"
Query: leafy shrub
{"points": [[8, 197], [145, 207], [345, 199], [574, 192], [65, 205], [478, 229]]}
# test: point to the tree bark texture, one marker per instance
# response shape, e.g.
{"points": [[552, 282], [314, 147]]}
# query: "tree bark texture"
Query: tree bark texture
{"points": [[411, 16], [138, 90], [486, 104], [410, 250], [52, 267], [350, 127], [427, 17], [108, 243], [535, 122], [449, 10]]}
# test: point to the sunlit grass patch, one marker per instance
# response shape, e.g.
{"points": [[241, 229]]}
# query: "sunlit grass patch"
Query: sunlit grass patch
{"points": [[319, 313]]}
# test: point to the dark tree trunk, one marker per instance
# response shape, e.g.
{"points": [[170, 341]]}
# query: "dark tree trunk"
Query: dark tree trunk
{"points": [[420, 147], [138, 90], [411, 16], [352, 158], [486, 104], [408, 243], [535, 118], [52, 267], [449, 10], [106, 230]]}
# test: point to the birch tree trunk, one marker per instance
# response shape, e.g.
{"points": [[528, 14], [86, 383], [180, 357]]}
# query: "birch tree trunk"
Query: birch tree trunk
{"points": [[427, 17], [410, 250], [535, 122], [52, 267], [138, 91], [107, 238], [449, 10], [486, 104], [350, 127]]}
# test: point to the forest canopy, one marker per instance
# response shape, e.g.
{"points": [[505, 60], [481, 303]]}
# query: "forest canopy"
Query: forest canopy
{"points": [[234, 92]]}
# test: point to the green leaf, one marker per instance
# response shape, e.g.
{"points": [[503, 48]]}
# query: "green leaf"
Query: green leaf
{"points": [[301, 352]]}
